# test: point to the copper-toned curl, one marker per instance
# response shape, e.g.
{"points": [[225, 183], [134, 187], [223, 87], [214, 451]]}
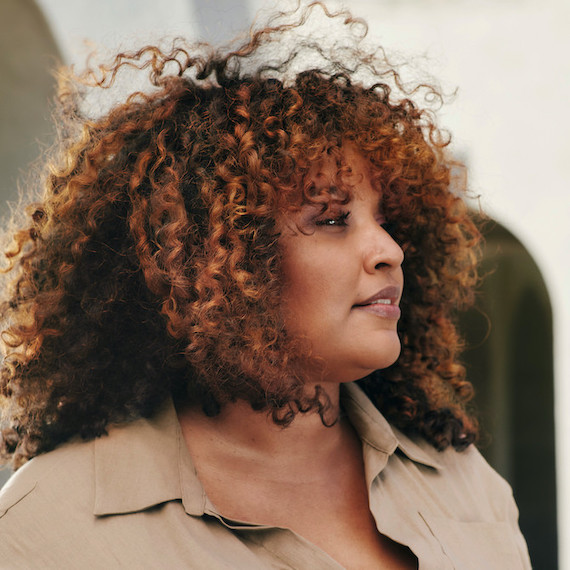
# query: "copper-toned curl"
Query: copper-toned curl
{"points": [[151, 265]]}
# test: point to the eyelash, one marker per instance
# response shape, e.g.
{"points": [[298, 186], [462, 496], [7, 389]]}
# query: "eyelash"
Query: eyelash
{"points": [[339, 220]]}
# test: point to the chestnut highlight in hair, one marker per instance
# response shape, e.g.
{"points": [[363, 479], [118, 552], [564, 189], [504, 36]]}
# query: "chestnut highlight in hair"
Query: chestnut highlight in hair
{"points": [[151, 265]]}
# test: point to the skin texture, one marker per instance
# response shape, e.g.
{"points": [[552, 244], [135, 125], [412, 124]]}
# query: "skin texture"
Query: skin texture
{"points": [[331, 265], [308, 478]]}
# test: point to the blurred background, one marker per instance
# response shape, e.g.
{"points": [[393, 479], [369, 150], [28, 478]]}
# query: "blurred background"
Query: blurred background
{"points": [[509, 61]]}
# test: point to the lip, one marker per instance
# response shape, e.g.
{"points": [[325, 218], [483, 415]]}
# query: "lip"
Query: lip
{"points": [[382, 304]]}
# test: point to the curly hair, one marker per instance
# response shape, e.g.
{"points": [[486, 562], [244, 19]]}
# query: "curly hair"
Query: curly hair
{"points": [[150, 267]]}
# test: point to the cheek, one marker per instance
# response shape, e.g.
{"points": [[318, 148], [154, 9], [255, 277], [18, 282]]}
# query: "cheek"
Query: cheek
{"points": [[306, 292], [301, 290], [311, 273]]}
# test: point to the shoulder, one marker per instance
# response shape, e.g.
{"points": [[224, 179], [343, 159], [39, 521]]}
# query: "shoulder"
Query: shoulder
{"points": [[468, 459], [44, 499], [65, 471], [469, 466], [464, 478], [467, 506]]}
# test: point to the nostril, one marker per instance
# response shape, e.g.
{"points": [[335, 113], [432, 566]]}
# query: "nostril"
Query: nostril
{"points": [[381, 265]]}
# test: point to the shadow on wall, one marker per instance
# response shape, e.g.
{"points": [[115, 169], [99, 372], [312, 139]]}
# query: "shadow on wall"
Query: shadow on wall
{"points": [[27, 54], [509, 360]]}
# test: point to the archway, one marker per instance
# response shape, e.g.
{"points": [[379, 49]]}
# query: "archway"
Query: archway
{"points": [[509, 360]]}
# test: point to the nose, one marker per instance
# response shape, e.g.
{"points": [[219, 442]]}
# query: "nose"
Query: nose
{"points": [[381, 250]]}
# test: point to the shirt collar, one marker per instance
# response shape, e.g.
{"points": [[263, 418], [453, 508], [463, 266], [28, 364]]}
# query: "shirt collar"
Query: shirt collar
{"points": [[146, 462], [375, 431]]}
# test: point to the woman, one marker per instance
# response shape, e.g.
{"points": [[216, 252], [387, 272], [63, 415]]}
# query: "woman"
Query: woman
{"points": [[228, 332]]}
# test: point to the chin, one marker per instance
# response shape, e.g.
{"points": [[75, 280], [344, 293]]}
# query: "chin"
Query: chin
{"points": [[363, 367], [354, 361], [381, 361]]}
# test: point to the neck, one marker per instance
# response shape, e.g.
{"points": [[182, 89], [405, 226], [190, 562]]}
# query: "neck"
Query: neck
{"points": [[244, 437]]}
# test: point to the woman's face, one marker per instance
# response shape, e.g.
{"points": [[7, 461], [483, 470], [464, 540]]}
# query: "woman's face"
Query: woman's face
{"points": [[343, 276]]}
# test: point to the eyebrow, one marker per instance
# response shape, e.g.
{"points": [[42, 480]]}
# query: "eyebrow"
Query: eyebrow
{"points": [[324, 189]]}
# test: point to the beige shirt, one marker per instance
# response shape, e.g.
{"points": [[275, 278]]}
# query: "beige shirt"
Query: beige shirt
{"points": [[133, 500]]}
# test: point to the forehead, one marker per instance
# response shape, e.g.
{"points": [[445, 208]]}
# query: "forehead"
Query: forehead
{"points": [[335, 177], [346, 160], [335, 174]]}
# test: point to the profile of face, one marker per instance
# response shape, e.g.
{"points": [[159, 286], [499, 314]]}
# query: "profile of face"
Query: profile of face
{"points": [[343, 276]]}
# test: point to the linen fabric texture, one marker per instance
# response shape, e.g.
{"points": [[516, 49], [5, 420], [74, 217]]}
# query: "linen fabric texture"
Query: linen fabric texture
{"points": [[132, 499]]}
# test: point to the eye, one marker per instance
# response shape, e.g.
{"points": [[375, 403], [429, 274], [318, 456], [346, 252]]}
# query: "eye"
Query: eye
{"points": [[338, 220]]}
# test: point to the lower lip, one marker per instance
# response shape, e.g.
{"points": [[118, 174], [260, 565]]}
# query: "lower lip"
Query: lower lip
{"points": [[380, 310]]}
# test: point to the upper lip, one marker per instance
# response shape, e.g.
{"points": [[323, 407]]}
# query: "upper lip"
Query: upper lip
{"points": [[391, 292]]}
